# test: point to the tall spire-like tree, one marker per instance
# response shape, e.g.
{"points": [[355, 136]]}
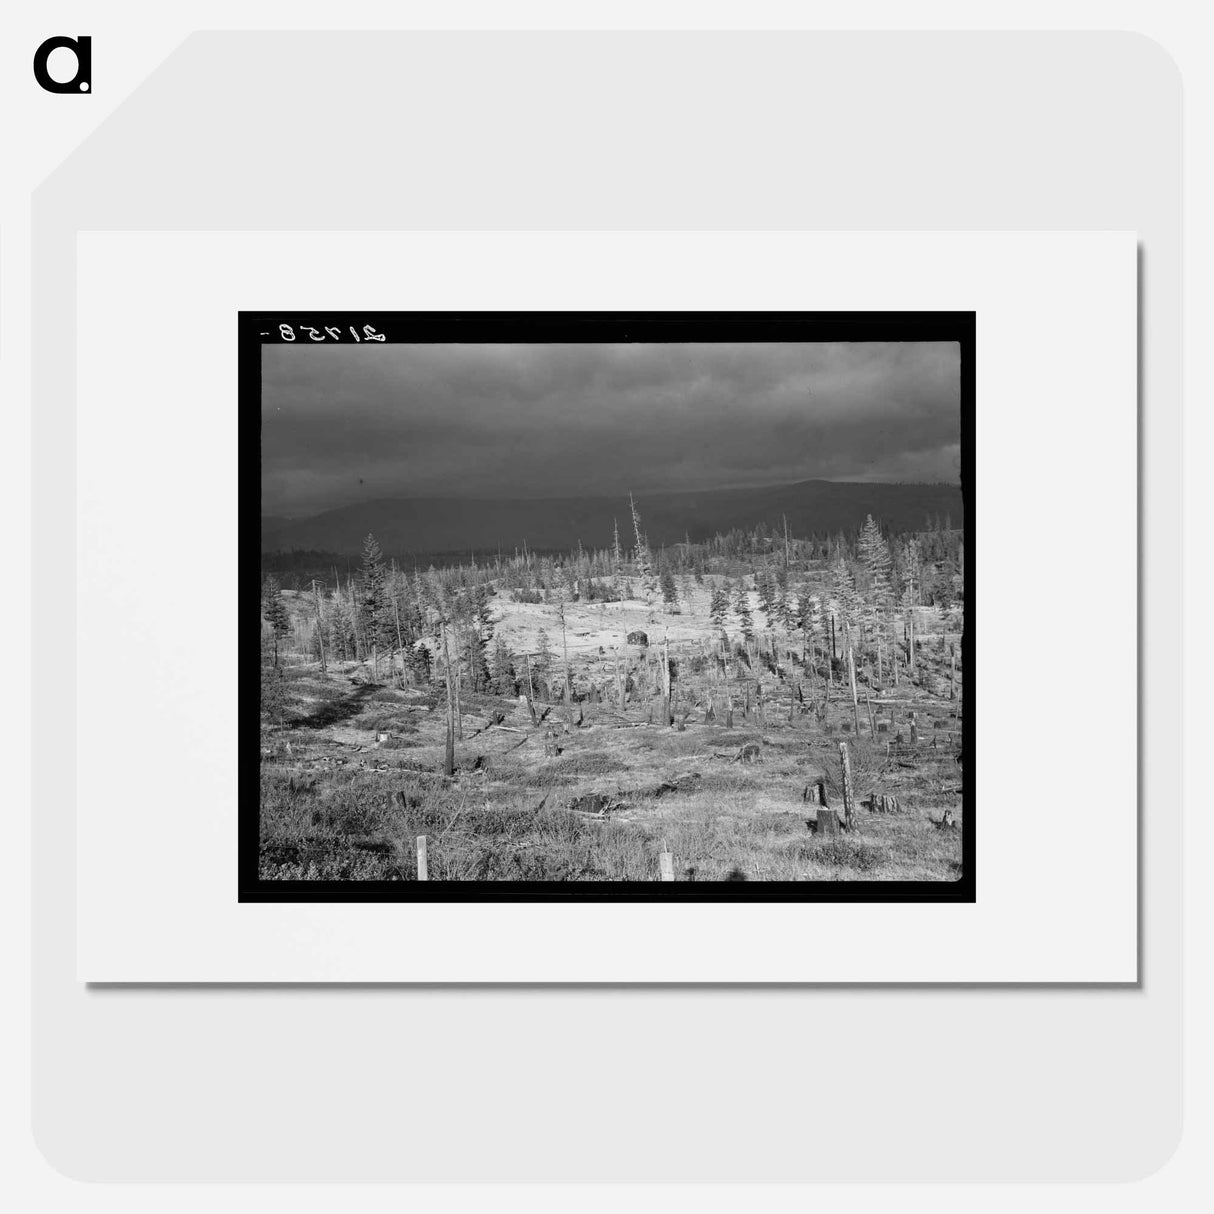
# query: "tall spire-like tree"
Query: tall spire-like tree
{"points": [[874, 556], [742, 607], [644, 562]]}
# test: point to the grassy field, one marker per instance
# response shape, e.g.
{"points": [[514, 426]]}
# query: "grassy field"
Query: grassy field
{"points": [[353, 774]]}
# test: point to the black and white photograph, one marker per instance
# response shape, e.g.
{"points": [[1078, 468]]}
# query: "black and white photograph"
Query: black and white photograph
{"points": [[598, 605]]}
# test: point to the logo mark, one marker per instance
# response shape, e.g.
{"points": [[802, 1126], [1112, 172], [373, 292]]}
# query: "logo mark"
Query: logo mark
{"points": [[82, 48]]}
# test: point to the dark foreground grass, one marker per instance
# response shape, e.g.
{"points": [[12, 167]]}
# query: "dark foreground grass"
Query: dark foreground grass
{"points": [[350, 827]]}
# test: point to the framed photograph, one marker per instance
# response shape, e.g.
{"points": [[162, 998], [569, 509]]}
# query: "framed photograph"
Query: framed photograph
{"points": [[427, 479], [607, 605]]}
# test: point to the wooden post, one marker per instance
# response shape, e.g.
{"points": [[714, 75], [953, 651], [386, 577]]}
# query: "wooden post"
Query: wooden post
{"points": [[666, 861], [849, 800], [423, 873], [872, 721], [855, 699], [914, 731]]}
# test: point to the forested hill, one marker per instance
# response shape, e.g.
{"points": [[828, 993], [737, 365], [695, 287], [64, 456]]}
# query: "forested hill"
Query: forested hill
{"points": [[423, 525]]}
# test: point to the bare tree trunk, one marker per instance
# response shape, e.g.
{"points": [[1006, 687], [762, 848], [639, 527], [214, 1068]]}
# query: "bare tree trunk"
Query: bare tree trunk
{"points": [[855, 700], [320, 629], [396, 616], [449, 759], [665, 681], [568, 681], [459, 713], [530, 691], [849, 796], [728, 693]]}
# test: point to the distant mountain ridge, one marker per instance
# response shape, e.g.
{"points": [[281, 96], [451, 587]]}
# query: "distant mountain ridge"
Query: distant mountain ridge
{"points": [[421, 525]]}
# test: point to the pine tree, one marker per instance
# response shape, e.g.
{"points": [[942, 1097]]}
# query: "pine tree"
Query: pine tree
{"points": [[273, 687], [644, 562], [482, 627], [502, 671], [542, 667], [274, 611], [419, 662], [766, 589], [375, 606], [670, 592], [742, 608], [874, 557], [808, 621], [844, 601], [719, 606], [617, 559], [785, 612]]}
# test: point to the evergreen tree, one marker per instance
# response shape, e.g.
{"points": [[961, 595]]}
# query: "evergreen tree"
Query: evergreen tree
{"points": [[502, 670], [482, 628], [719, 606], [670, 592], [874, 557], [911, 573], [542, 667], [808, 620], [844, 600], [785, 611], [419, 662], [375, 606], [644, 562], [742, 608], [274, 610], [273, 686], [766, 589]]}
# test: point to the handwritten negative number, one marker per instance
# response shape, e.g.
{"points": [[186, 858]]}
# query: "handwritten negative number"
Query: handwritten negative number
{"points": [[287, 333]]}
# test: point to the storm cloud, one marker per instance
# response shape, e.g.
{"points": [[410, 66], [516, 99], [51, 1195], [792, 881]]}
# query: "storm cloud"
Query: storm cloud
{"points": [[345, 424]]}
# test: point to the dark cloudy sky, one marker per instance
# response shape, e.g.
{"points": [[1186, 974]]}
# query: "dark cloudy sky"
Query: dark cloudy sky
{"points": [[344, 424]]}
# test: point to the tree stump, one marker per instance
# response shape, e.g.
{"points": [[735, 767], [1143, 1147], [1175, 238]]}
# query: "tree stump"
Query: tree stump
{"points": [[827, 822], [815, 793]]}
